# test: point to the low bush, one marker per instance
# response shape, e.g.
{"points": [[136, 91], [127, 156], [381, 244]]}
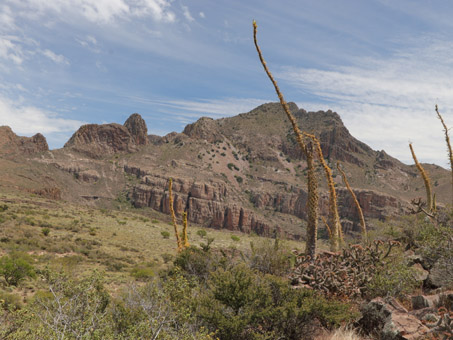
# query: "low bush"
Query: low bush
{"points": [[15, 267], [242, 304], [270, 257]]}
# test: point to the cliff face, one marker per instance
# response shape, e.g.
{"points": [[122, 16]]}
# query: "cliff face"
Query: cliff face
{"points": [[205, 203]]}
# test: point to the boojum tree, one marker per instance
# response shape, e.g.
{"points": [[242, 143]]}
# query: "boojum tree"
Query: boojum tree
{"points": [[356, 202], [181, 243], [450, 152], [308, 151], [430, 198]]}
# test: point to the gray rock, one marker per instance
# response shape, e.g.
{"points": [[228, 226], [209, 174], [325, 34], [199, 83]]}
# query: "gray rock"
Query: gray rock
{"points": [[391, 320]]}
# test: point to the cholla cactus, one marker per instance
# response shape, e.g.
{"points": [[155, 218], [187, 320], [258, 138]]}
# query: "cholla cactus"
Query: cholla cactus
{"points": [[344, 274], [443, 328], [356, 202], [312, 226]]}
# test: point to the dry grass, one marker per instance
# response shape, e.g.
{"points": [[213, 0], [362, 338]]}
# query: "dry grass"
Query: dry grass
{"points": [[83, 239], [340, 334]]}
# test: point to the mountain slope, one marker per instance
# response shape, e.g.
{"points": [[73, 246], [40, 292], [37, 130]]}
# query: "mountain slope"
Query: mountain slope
{"points": [[241, 173]]}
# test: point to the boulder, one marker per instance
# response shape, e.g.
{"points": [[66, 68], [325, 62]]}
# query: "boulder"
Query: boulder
{"points": [[441, 273], [391, 320]]}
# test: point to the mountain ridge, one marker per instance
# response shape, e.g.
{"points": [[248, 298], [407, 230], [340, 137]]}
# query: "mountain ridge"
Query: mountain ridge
{"points": [[241, 173]]}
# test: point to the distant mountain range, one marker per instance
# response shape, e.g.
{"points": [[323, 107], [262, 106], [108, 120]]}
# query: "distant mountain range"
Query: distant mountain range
{"points": [[240, 173]]}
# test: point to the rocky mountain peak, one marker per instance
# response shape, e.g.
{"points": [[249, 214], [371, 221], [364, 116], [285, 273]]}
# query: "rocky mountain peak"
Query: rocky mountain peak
{"points": [[10, 143], [204, 128], [137, 128]]}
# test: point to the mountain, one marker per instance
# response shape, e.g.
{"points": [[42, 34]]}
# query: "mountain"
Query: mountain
{"points": [[240, 173]]}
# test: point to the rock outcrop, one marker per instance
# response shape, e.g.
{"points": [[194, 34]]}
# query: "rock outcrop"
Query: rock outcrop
{"points": [[10, 143], [137, 128], [392, 320], [99, 140], [374, 205], [206, 203], [204, 128]]}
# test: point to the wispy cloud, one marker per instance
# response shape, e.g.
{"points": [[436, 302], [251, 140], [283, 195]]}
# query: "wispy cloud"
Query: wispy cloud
{"points": [[186, 12], [57, 58], [388, 101], [10, 50], [214, 108], [27, 120], [100, 11]]}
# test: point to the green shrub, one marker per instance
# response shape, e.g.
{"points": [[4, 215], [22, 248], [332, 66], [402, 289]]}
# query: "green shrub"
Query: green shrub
{"points": [[9, 301], [394, 279], [202, 233], [235, 238], [196, 262], [241, 304], [270, 257], [165, 234], [143, 272], [167, 257], [15, 267], [45, 231]]}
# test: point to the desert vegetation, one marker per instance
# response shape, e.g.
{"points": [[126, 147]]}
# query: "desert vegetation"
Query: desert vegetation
{"points": [[72, 272]]}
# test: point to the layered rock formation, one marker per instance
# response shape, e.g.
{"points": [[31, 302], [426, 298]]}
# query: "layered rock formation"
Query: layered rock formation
{"points": [[205, 203]]}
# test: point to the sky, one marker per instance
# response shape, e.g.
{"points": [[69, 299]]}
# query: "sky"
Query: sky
{"points": [[382, 65]]}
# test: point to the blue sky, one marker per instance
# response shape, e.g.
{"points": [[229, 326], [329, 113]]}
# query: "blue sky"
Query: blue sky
{"points": [[382, 65]]}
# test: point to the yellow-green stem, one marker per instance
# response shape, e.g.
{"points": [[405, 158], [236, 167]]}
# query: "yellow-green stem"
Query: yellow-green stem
{"points": [[450, 153], [333, 207], [429, 196], [312, 226], [356, 202], [173, 216]]}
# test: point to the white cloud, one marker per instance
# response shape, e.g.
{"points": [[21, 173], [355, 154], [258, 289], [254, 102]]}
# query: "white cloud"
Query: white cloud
{"points": [[387, 102], [92, 39], [187, 14], [186, 111], [11, 51], [29, 120], [99, 11], [158, 9], [57, 58], [202, 15], [6, 18]]}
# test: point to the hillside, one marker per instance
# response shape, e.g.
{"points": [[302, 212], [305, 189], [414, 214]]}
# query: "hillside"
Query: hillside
{"points": [[241, 173]]}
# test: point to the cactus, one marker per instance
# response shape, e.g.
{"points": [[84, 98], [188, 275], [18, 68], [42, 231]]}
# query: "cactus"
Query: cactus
{"points": [[342, 275], [429, 196], [312, 225], [450, 153], [173, 216], [356, 202], [443, 328], [334, 218]]}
